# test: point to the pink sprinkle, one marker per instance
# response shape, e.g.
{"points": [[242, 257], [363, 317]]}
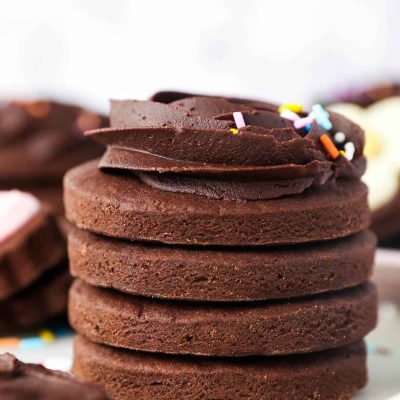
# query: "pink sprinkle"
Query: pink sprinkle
{"points": [[239, 120], [302, 122], [290, 115], [16, 209]]}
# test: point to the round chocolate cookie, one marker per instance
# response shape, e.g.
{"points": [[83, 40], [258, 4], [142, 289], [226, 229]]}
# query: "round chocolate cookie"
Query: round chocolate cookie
{"points": [[122, 206], [274, 328], [30, 241], [221, 274], [46, 298], [125, 375], [34, 382]]}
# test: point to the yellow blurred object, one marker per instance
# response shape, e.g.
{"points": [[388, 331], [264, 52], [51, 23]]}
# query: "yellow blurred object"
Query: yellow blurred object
{"points": [[294, 107], [47, 335], [373, 144]]}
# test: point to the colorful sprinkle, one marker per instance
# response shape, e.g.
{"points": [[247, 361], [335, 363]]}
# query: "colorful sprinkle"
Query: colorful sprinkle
{"points": [[87, 121], [339, 137], [293, 107], [9, 342], [47, 336], [329, 145], [62, 331], [290, 115], [239, 120], [350, 149], [321, 116], [342, 152], [38, 109], [31, 343], [303, 122], [234, 131]]}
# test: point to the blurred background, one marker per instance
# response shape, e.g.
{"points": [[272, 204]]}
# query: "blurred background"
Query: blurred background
{"points": [[89, 51]]}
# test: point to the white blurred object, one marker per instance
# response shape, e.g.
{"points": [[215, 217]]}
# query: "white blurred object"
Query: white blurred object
{"points": [[285, 51], [382, 129]]}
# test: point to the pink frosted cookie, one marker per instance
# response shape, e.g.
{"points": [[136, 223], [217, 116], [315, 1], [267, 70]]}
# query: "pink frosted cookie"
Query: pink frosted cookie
{"points": [[30, 241]]}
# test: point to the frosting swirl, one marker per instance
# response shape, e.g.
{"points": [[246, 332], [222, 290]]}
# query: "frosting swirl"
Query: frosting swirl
{"points": [[187, 143]]}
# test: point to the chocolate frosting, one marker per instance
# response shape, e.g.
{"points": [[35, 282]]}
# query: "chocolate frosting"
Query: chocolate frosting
{"points": [[185, 143]]}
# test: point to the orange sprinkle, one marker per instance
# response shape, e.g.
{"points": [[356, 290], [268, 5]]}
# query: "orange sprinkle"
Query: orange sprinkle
{"points": [[38, 109], [9, 342], [329, 145], [87, 121]]}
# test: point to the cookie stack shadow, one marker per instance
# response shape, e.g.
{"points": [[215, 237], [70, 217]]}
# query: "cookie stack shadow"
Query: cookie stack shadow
{"points": [[179, 296]]}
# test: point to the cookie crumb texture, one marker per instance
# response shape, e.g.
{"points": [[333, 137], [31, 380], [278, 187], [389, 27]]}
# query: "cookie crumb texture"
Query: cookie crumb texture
{"points": [[255, 329], [122, 206], [126, 375], [221, 274]]}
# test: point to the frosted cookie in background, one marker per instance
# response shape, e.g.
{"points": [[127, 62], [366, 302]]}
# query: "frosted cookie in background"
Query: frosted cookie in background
{"points": [[34, 279], [377, 110], [35, 382], [39, 141]]}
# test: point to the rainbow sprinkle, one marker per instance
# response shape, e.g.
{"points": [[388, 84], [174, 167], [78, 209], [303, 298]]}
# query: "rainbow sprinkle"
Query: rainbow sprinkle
{"points": [[44, 337], [339, 137], [290, 115], [239, 120], [349, 149], [303, 122], [321, 116], [234, 131], [329, 146], [47, 336], [293, 107]]}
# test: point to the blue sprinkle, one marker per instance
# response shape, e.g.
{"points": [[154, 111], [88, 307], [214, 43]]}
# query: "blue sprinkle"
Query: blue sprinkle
{"points": [[308, 127], [371, 348], [31, 343], [63, 331], [322, 117]]}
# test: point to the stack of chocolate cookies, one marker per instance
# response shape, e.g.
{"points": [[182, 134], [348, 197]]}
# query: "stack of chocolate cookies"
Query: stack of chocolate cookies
{"points": [[34, 278], [221, 252]]}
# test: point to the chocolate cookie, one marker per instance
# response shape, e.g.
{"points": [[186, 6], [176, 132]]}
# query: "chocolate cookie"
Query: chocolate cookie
{"points": [[122, 206], [30, 241], [19, 381], [220, 274], [44, 299], [125, 375], [275, 328], [41, 140]]}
